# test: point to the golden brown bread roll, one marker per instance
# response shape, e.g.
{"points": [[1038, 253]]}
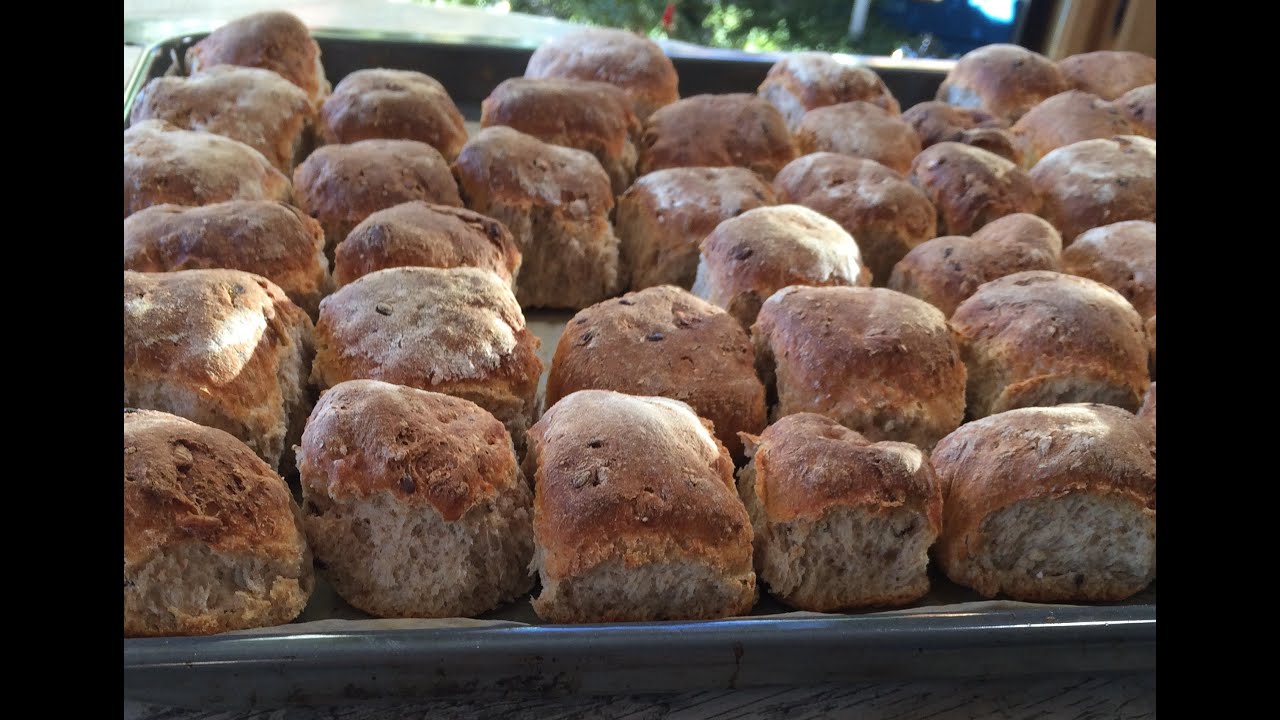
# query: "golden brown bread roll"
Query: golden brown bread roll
{"points": [[1068, 118], [1097, 182], [663, 341], [1001, 79], [273, 40], [419, 234], [802, 81], [583, 114], [874, 360], [556, 203], [222, 348], [1047, 338], [1121, 255], [632, 62], [971, 187], [213, 541], [665, 215], [166, 164], [1049, 504], [947, 270], [380, 103], [456, 331], [635, 516], [1139, 105], [885, 214], [736, 129], [859, 129], [839, 522], [413, 502], [1108, 73], [271, 239], [257, 107], [750, 257]]}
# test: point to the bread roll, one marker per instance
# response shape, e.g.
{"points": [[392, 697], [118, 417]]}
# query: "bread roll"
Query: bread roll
{"points": [[803, 81], [583, 114], [748, 258], [413, 502], [1001, 79], [457, 331], [1139, 105], [166, 164], [839, 522], [213, 541], [665, 215], [632, 62], [556, 203], [1045, 338], [1067, 118], [419, 234], [1097, 182], [859, 129], [1121, 255], [223, 348], [257, 107], [937, 122], [1108, 73], [945, 271], [971, 187], [341, 185], [874, 360], [635, 517], [1049, 504], [717, 131], [270, 239], [885, 214], [1151, 344], [379, 103], [273, 40], [664, 341], [1148, 410]]}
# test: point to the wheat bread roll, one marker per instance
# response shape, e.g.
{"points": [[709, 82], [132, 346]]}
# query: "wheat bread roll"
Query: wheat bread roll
{"points": [[632, 62], [213, 541], [839, 522], [275, 40], [381, 103], [731, 130], [413, 502], [1049, 504], [1001, 79], [1097, 182], [1122, 256], [1139, 105], [635, 514], [971, 187], [936, 122], [1108, 73], [803, 81], [1067, 118], [860, 129]]}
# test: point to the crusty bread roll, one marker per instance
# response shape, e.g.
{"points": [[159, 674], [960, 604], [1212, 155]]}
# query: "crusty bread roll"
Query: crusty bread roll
{"points": [[1049, 504], [937, 122], [419, 234], [556, 203], [664, 341], [456, 331], [748, 258], [1148, 410], [946, 270], [341, 185], [1139, 105], [632, 62], [859, 129], [271, 239], [1121, 255], [635, 517], [885, 214], [971, 187], [1067, 118], [413, 502], [213, 541], [1047, 338], [583, 114], [223, 348], [380, 103], [1097, 182], [874, 360], [273, 40], [839, 522], [1002, 79], [257, 107], [1108, 73], [736, 129], [166, 164], [803, 81], [664, 217]]}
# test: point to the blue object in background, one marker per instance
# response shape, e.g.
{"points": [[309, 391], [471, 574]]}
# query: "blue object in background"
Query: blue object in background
{"points": [[958, 25]]}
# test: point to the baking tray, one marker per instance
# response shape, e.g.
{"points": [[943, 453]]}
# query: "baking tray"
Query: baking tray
{"points": [[336, 654]]}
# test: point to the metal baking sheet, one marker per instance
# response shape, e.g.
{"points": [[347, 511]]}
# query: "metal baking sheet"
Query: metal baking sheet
{"points": [[334, 653]]}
